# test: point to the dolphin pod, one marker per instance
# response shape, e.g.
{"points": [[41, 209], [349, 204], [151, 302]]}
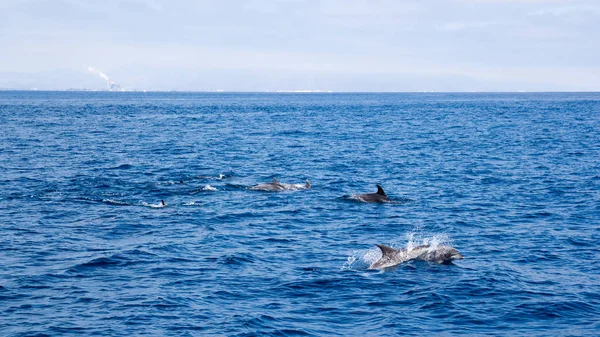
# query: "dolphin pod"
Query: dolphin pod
{"points": [[391, 257]]}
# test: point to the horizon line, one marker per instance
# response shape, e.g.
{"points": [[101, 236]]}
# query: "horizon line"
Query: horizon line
{"points": [[300, 91]]}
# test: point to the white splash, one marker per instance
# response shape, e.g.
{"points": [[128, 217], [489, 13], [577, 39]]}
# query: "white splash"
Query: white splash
{"points": [[220, 177], [435, 240], [209, 188], [159, 205], [294, 187], [361, 259]]}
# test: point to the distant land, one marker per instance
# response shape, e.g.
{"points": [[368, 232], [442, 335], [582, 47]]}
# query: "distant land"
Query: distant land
{"points": [[262, 81]]}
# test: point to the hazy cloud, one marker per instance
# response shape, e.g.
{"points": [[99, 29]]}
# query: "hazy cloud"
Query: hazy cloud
{"points": [[330, 44], [580, 9]]}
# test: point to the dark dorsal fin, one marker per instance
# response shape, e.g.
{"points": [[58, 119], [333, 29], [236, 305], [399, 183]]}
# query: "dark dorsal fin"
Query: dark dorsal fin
{"points": [[380, 191], [275, 180], [385, 250]]}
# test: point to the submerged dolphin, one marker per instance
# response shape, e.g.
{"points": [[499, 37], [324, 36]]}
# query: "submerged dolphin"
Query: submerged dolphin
{"points": [[378, 196], [276, 186], [392, 257]]}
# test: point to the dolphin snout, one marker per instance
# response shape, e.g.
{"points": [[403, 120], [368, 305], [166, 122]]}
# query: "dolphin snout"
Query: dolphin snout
{"points": [[457, 256]]}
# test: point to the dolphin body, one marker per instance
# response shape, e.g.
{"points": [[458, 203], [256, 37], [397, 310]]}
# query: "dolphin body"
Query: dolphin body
{"points": [[392, 257], [276, 186], [378, 196]]}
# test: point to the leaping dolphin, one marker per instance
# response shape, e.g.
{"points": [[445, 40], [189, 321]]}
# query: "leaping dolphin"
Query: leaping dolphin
{"points": [[378, 196], [393, 257]]}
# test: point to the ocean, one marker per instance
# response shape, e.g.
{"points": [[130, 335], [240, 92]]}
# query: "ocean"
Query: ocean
{"points": [[511, 180]]}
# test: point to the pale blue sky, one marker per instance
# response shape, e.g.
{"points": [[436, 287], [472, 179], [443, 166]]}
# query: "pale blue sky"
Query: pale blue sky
{"points": [[427, 45]]}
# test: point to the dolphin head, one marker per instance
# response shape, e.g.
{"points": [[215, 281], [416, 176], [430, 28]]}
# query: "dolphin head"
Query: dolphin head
{"points": [[455, 254], [446, 255], [308, 185]]}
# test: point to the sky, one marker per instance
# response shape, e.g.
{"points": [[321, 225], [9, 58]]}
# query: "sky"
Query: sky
{"points": [[330, 45]]}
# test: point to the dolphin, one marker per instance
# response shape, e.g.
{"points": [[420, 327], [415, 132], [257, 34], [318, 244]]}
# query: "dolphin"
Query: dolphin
{"points": [[392, 257], [272, 186], [378, 196], [276, 186]]}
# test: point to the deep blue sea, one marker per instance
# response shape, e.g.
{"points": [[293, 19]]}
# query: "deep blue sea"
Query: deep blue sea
{"points": [[511, 180]]}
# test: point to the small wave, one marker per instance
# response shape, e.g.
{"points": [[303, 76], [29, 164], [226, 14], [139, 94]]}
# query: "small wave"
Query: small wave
{"points": [[234, 187], [101, 262], [238, 259], [209, 188], [219, 177], [118, 259], [171, 182], [122, 167], [116, 202], [402, 200]]}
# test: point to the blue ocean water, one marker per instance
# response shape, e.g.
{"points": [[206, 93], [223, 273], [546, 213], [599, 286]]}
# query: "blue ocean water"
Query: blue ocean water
{"points": [[86, 248]]}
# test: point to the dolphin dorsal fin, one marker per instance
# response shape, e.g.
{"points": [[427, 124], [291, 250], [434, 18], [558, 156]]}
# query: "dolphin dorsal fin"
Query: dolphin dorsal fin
{"points": [[308, 185], [385, 250], [380, 191], [275, 180]]}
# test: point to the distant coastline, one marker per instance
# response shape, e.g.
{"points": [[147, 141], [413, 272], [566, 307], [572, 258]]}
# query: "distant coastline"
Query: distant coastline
{"points": [[299, 91]]}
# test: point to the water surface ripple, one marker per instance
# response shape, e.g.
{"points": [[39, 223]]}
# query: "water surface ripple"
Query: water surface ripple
{"points": [[511, 180]]}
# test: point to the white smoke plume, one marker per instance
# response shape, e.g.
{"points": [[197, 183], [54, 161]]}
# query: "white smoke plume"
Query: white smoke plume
{"points": [[99, 73]]}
